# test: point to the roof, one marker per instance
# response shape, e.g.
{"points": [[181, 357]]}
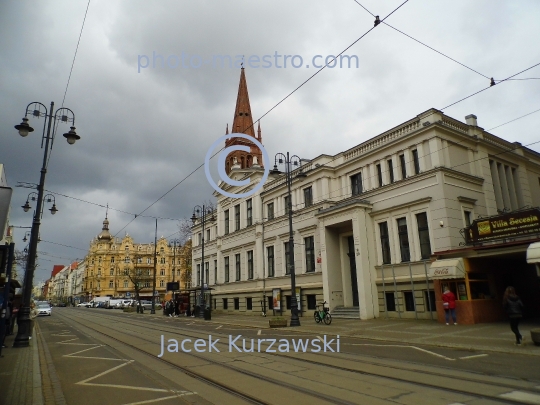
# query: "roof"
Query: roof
{"points": [[56, 269]]}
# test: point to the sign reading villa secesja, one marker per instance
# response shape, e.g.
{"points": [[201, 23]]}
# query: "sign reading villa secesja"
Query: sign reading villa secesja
{"points": [[514, 224]]}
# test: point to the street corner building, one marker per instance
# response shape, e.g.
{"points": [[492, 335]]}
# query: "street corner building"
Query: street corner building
{"points": [[381, 228], [114, 265]]}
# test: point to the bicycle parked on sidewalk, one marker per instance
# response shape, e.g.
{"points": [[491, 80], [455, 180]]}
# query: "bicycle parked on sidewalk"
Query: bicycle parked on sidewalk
{"points": [[323, 314]]}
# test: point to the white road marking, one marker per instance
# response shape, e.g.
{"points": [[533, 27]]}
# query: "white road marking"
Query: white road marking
{"points": [[412, 347], [522, 397], [151, 401], [219, 327], [473, 356], [259, 332]]}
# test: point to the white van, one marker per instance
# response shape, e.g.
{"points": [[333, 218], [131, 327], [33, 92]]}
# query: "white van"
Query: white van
{"points": [[94, 303], [113, 303]]}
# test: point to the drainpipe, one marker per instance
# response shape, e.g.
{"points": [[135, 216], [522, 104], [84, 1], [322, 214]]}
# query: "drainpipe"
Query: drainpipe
{"points": [[413, 294]]}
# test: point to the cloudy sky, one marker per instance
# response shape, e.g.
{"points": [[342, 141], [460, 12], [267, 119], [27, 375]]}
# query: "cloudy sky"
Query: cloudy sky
{"points": [[144, 132]]}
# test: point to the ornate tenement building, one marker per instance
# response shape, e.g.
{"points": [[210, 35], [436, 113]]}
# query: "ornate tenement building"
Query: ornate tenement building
{"points": [[110, 261], [381, 228]]}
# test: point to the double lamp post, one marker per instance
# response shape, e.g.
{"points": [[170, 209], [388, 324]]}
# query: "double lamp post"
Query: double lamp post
{"points": [[202, 213], [49, 131]]}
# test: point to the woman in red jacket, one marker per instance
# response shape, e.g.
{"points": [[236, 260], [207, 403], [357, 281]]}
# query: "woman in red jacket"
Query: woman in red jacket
{"points": [[449, 305]]}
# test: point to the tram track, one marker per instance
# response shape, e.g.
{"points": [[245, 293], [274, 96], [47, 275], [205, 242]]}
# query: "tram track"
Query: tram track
{"points": [[450, 381]]}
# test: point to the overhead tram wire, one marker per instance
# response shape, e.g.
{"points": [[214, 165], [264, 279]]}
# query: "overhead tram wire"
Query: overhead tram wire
{"points": [[427, 46], [515, 119], [489, 87], [70, 72], [266, 113]]}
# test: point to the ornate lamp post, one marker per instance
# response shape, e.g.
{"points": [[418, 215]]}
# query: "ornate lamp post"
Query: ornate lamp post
{"points": [[64, 115], [202, 213], [290, 161]]}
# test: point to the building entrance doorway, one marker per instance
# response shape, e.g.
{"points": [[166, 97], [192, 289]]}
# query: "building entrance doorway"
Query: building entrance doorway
{"points": [[352, 262]]}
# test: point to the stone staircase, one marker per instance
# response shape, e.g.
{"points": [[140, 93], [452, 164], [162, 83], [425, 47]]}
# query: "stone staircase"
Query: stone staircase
{"points": [[346, 313]]}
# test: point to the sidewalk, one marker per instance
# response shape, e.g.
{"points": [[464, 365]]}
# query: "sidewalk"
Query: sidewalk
{"points": [[492, 337], [20, 374]]}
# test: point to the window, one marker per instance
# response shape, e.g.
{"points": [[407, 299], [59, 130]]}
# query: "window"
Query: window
{"points": [[162, 260], [237, 304], [226, 269], [208, 234], [429, 297], [409, 300], [125, 284], [423, 235], [249, 304], [198, 274], [308, 197], [99, 272], [148, 261], [390, 170], [161, 283], [286, 200], [288, 301], [379, 175], [311, 301], [385, 242], [162, 272], [126, 259], [356, 184], [249, 212], [111, 284], [270, 256], [215, 272], [270, 210], [127, 247], [390, 301], [199, 238], [225, 303], [207, 273], [310, 254], [237, 217], [226, 221], [403, 240], [270, 302], [416, 161], [467, 215], [112, 259], [112, 272], [237, 266], [250, 264], [403, 166], [287, 251], [139, 260]]}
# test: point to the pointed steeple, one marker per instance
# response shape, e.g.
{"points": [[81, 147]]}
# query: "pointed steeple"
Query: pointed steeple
{"points": [[259, 130], [105, 235], [227, 129], [243, 121]]}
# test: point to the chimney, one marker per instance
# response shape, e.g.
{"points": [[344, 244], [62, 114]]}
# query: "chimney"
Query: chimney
{"points": [[471, 120]]}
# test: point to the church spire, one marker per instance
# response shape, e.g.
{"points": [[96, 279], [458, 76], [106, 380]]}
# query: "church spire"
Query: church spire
{"points": [[243, 121], [243, 124]]}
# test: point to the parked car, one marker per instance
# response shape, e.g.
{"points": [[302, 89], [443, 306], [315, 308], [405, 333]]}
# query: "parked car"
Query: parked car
{"points": [[62, 304], [44, 308], [148, 305], [125, 304], [83, 304]]}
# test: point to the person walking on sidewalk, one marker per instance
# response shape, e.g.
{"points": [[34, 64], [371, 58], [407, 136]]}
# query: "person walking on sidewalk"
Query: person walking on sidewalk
{"points": [[514, 308], [449, 305], [34, 312]]}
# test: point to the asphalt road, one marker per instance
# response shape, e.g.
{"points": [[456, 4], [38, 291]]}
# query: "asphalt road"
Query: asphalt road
{"points": [[363, 371]]}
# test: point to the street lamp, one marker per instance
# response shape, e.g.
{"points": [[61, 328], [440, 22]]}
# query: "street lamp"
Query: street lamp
{"points": [[290, 161], [65, 115], [202, 213]]}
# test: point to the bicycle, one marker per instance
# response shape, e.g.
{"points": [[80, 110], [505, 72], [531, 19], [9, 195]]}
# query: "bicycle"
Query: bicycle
{"points": [[323, 314]]}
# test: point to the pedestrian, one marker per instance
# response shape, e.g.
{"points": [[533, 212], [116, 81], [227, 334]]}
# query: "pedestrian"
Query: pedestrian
{"points": [[514, 308], [449, 305]]}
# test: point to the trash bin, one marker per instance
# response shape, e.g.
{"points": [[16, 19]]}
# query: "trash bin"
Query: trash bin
{"points": [[207, 314]]}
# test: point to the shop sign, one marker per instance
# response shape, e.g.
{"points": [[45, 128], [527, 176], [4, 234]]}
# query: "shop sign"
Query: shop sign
{"points": [[514, 224]]}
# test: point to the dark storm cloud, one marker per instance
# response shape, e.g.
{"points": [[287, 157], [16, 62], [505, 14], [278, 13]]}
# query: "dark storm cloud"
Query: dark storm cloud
{"points": [[144, 132]]}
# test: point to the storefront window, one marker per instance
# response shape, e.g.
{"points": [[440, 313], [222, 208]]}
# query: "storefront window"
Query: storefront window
{"points": [[479, 286], [457, 287]]}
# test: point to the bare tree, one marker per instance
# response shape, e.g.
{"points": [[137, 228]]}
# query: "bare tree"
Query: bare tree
{"points": [[138, 276]]}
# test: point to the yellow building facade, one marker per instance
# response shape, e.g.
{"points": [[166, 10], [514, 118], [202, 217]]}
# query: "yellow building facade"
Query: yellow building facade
{"points": [[114, 265]]}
